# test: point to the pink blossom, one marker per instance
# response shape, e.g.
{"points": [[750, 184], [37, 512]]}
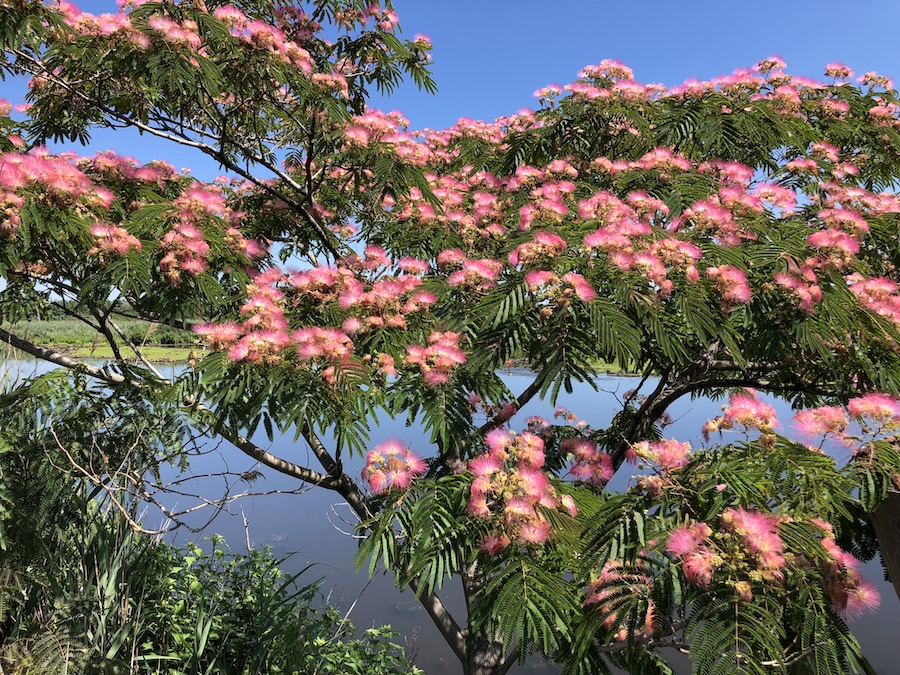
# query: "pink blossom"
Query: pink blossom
{"points": [[113, 239], [747, 410], [534, 532], [803, 283], [682, 540], [584, 291], [260, 347], [485, 465], [392, 465], [863, 598], [437, 361], [314, 342], [698, 566], [838, 71], [530, 450], [569, 504], [823, 421], [877, 407], [731, 282], [545, 244], [219, 335], [668, 454], [590, 466], [500, 439], [494, 544], [760, 533], [836, 248], [385, 364]]}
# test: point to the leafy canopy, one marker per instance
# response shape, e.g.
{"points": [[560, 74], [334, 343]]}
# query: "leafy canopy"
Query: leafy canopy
{"points": [[718, 238]]}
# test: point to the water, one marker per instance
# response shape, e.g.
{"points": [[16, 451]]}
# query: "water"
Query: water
{"points": [[316, 528]]}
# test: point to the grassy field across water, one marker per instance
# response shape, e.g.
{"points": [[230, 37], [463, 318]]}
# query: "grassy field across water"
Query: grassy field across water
{"points": [[69, 336]]}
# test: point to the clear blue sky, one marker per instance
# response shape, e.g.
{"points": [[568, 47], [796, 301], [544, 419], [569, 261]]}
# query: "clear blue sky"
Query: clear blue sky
{"points": [[491, 55]]}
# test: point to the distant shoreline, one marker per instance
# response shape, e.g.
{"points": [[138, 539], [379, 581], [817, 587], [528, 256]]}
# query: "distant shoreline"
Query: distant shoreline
{"points": [[178, 354], [153, 353]]}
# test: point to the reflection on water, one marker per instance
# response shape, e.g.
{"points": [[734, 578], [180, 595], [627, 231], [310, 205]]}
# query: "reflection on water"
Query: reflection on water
{"points": [[316, 529]]}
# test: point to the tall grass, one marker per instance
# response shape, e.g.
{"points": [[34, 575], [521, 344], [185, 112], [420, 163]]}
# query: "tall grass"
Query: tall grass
{"points": [[73, 332]]}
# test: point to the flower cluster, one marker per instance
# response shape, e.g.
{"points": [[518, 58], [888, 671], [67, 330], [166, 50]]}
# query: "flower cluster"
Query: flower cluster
{"points": [[545, 245], [731, 283], [803, 284], [834, 248], [748, 551], [589, 464], [391, 465], [749, 545], [667, 454], [476, 274], [438, 360], [510, 489], [329, 343], [10, 213], [113, 239], [760, 534], [549, 285], [878, 294], [687, 543], [876, 412], [826, 421], [851, 594], [61, 183], [112, 167], [185, 251], [262, 337], [744, 410]]}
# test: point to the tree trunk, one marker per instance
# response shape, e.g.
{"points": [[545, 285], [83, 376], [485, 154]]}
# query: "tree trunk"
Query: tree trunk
{"points": [[487, 659], [887, 528]]}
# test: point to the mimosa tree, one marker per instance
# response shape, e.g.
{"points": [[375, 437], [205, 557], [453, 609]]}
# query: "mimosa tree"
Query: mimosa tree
{"points": [[720, 238]]}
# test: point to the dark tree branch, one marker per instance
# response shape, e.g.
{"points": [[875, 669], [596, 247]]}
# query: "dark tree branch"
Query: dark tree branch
{"points": [[667, 392]]}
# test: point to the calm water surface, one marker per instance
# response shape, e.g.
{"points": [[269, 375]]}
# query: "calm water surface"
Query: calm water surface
{"points": [[315, 528]]}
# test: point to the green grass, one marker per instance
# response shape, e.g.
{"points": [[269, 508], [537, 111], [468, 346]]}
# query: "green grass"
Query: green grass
{"points": [[151, 353], [160, 343], [73, 332]]}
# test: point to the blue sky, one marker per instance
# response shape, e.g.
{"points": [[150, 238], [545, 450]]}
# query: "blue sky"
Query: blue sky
{"points": [[491, 55]]}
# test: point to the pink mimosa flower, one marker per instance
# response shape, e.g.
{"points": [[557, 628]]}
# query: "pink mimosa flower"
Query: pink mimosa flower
{"points": [[684, 539], [494, 544], [876, 406], [699, 567], [535, 532], [747, 410], [392, 465], [824, 421]]}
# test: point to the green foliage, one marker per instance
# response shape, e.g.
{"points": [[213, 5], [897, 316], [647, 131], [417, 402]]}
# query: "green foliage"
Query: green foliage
{"points": [[109, 601], [74, 332]]}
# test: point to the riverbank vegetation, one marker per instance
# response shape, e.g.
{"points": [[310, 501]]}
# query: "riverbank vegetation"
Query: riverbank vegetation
{"points": [[77, 338], [82, 592]]}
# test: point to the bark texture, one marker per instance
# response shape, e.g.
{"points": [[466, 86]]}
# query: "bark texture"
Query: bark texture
{"points": [[887, 528]]}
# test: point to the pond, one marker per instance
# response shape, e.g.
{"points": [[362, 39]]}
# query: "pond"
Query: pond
{"points": [[315, 528]]}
